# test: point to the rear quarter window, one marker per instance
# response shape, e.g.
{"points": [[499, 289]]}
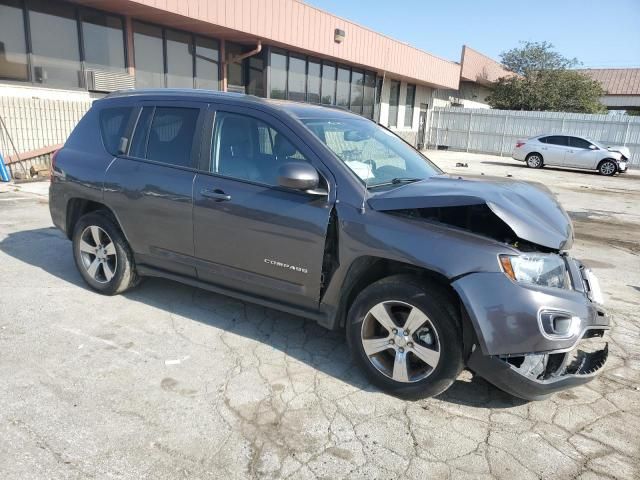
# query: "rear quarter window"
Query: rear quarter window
{"points": [[113, 126]]}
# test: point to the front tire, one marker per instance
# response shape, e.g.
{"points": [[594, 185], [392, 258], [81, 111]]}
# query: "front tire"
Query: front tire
{"points": [[534, 160], [608, 168], [102, 255], [404, 334]]}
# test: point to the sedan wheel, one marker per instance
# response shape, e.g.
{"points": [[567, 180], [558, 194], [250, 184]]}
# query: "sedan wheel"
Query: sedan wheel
{"points": [[98, 254], [534, 161], [400, 341], [608, 168]]}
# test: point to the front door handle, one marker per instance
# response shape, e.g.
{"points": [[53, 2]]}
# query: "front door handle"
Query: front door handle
{"points": [[216, 194]]}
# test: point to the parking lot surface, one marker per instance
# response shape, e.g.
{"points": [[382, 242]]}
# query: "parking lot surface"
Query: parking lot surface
{"points": [[169, 381]]}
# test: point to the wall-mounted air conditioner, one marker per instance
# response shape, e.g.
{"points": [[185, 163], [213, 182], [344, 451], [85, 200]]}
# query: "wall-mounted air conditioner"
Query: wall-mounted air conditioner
{"points": [[106, 81]]}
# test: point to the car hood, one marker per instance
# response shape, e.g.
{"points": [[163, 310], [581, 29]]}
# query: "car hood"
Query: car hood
{"points": [[530, 210]]}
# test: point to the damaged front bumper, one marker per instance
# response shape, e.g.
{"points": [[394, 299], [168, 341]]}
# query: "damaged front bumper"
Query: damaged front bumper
{"points": [[537, 376], [518, 349]]}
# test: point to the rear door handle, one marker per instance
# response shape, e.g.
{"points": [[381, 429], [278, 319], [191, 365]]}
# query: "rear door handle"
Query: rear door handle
{"points": [[216, 194]]}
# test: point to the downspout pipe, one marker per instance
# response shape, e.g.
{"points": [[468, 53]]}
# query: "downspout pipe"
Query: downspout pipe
{"points": [[255, 51]]}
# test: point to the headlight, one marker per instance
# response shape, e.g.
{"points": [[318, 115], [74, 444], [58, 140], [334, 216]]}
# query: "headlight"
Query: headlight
{"points": [[548, 270]]}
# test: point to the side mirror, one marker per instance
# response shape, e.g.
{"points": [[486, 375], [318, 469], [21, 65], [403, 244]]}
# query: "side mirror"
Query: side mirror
{"points": [[298, 176], [593, 147]]}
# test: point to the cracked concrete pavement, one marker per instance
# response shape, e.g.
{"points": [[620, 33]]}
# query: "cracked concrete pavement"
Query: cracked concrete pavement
{"points": [[168, 381]]}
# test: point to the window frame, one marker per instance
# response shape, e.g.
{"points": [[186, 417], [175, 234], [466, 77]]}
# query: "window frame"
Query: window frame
{"points": [[545, 140], [324, 64], [196, 145], [208, 138], [570, 137], [78, 17], [125, 50], [397, 105], [408, 107], [27, 47], [131, 122]]}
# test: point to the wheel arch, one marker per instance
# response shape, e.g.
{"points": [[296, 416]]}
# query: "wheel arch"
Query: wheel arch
{"points": [[535, 153], [369, 269], [606, 159], [78, 206]]}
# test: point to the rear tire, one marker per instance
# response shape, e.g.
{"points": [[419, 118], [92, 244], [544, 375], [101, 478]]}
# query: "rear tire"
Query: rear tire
{"points": [[404, 333], [102, 255], [534, 160], [608, 168]]}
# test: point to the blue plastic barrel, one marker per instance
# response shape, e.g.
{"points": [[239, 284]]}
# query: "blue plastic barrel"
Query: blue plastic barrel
{"points": [[4, 171]]}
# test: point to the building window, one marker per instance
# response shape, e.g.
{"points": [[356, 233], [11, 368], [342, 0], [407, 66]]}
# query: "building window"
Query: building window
{"points": [[378, 100], [255, 86], [13, 45], [207, 67], [278, 87], [179, 59], [297, 79], [103, 41], [235, 71], [148, 52], [54, 40], [328, 84], [368, 101], [357, 91], [394, 99], [408, 105], [313, 82], [342, 88]]}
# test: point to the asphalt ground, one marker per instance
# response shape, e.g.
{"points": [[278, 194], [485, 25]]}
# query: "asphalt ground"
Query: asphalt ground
{"points": [[168, 381]]}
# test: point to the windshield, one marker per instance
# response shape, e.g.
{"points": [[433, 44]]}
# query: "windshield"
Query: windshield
{"points": [[374, 154]]}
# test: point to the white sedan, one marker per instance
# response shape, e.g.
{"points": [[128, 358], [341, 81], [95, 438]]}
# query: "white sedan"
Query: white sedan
{"points": [[572, 152]]}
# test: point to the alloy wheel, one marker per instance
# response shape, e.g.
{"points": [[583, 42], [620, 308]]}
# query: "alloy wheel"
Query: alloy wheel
{"points": [[400, 341], [98, 254], [608, 168], [534, 161]]}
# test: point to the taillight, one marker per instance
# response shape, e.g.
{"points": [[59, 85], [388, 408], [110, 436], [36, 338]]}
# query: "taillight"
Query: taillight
{"points": [[519, 144], [53, 162]]}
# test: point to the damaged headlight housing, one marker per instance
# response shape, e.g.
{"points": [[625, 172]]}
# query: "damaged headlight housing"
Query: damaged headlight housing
{"points": [[545, 269]]}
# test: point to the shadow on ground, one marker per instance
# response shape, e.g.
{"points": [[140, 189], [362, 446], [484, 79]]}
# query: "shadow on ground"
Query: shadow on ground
{"points": [[49, 250]]}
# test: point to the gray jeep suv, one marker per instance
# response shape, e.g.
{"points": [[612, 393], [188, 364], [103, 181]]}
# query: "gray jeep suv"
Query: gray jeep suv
{"points": [[324, 214]]}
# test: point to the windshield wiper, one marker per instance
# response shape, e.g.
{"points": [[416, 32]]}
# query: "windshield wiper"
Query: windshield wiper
{"points": [[397, 181]]}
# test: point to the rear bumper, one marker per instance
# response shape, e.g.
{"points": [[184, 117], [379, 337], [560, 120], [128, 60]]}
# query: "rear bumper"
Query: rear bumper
{"points": [[518, 154], [541, 377]]}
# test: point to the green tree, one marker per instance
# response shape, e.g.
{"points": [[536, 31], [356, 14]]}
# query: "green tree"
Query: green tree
{"points": [[543, 80]]}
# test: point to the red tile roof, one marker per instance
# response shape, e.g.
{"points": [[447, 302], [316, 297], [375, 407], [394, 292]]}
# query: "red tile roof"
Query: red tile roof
{"points": [[616, 81]]}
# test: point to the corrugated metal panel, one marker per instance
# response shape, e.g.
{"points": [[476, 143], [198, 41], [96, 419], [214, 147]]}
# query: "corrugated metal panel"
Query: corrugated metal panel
{"points": [[297, 25], [496, 131]]}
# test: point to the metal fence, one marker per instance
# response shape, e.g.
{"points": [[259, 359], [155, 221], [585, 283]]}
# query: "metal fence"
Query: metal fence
{"points": [[496, 131]]}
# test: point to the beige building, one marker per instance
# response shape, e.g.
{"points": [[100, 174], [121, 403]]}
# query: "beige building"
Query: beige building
{"points": [[55, 52], [622, 86]]}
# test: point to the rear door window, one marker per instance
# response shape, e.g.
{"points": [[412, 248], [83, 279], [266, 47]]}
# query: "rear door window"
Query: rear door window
{"points": [[556, 140], [113, 127], [165, 135]]}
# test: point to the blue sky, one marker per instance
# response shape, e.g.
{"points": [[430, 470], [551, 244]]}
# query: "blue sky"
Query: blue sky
{"points": [[600, 33]]}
